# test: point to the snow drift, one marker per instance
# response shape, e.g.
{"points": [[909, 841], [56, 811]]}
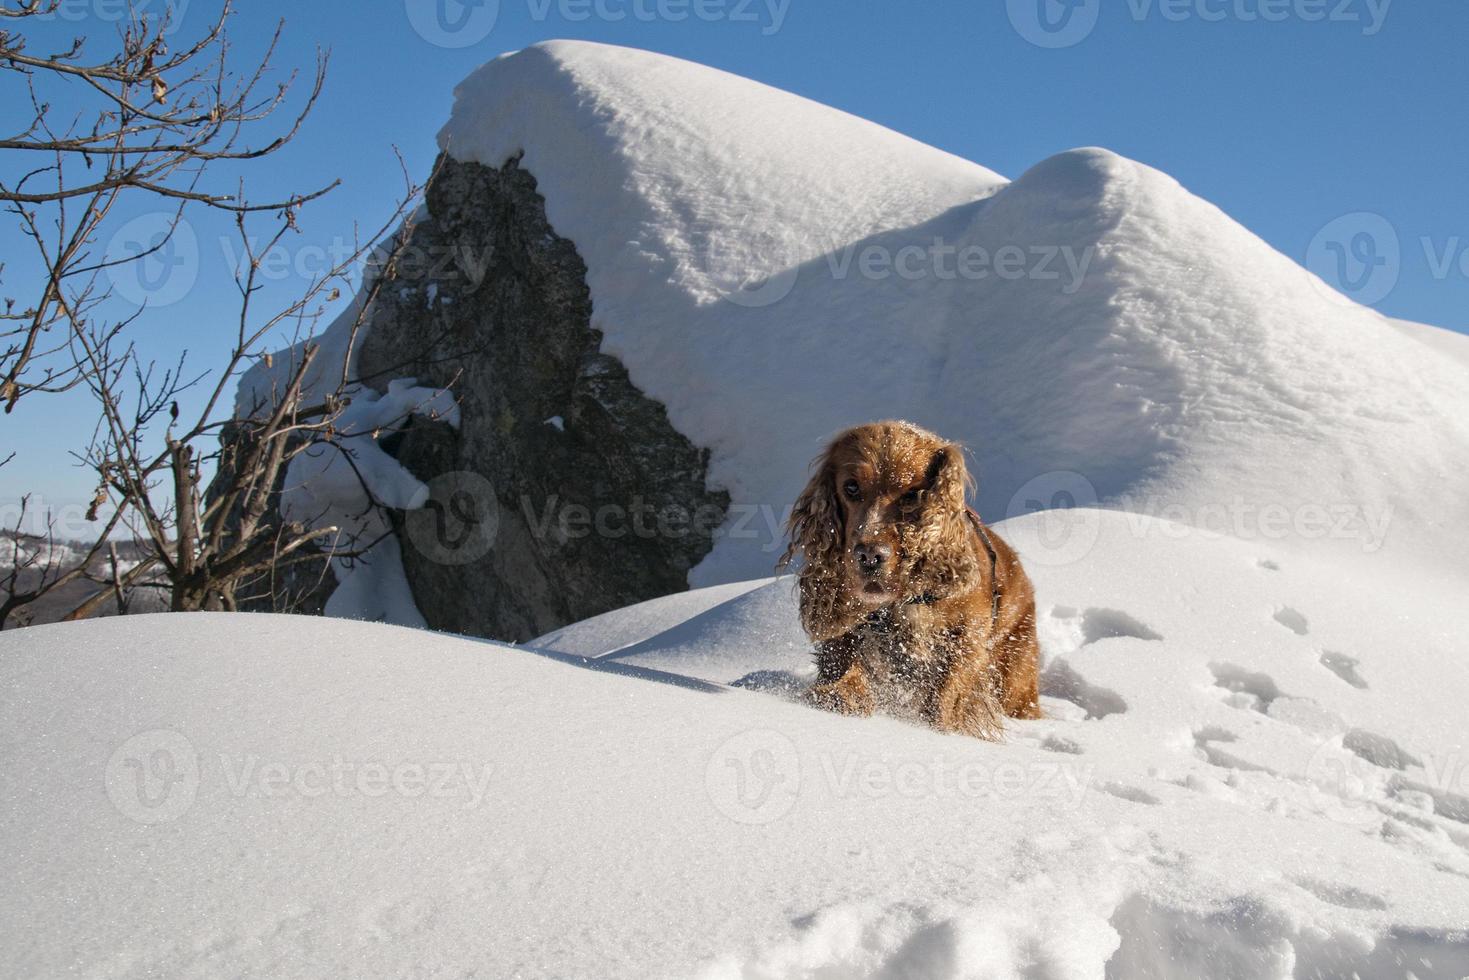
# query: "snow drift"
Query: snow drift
{"points": [[1241, 775]]}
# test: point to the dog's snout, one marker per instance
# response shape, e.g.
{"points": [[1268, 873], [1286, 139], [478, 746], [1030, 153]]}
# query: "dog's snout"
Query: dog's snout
{"points": [[872, 555]]}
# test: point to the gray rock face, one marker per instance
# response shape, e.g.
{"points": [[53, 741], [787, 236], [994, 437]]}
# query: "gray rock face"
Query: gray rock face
{"points": [[565, 492]]}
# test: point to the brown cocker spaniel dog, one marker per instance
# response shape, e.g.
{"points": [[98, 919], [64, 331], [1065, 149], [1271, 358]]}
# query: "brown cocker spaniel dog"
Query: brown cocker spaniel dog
{"points": [[916, 608]]}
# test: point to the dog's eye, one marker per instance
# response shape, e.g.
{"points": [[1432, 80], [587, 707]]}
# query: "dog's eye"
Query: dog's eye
{"points": [[852, 490], [909, 499]]}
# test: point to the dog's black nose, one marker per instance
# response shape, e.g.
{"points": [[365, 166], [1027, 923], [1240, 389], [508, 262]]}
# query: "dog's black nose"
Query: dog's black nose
{"points": [[870, 557]]}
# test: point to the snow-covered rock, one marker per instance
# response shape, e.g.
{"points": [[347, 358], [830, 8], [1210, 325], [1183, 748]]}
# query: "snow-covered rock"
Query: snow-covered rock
{"points": [[702, 278], [1254, 765]]}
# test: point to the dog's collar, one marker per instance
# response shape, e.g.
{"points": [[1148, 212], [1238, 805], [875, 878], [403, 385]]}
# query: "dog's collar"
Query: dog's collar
{"points": [[989, 547]]}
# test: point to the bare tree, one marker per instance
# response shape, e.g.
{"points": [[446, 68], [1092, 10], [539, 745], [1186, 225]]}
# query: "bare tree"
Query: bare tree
{"points": [[198, 492], [207, 537], [32, 566], [151, 120]]}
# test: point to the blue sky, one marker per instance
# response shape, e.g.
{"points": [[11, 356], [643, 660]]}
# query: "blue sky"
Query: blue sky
{"points": [[1338, 122]]}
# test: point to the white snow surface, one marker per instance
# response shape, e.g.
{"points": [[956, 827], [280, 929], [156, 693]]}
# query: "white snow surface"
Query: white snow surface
{"points": [[1253, 766]]}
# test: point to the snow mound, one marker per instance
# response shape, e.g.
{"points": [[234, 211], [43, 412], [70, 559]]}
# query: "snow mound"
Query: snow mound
{"points": [[1240, 774], [773, 270], [752, 639], [630, 624]]}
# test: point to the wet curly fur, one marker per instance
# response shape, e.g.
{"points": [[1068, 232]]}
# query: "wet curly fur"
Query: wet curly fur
{"points": [[896, 588]]}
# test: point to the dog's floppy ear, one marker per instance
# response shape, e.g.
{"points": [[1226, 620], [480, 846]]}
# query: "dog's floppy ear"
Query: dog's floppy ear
{"points": [[948, 479], [945, 562], [818, 533], [815, 524]]}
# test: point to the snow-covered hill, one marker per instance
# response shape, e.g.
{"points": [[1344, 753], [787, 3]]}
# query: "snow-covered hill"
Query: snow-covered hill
{"points": [[773, 270], [1253, 767]]}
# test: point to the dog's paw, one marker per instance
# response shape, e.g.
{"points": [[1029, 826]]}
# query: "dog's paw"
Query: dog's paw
{"points": [[969, 709], [848, 696]]}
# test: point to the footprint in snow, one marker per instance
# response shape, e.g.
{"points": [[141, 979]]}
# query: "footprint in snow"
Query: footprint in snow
{"points": [[1099, 623], [1206, 745], [1256, 691], [1061, 680], [1131, 794], [1342, 896], [1292, 620], [1067, 629], [1247, 689], [1058, 743], [1379, 750], [1344, 667]]}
